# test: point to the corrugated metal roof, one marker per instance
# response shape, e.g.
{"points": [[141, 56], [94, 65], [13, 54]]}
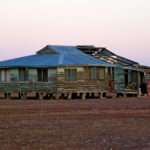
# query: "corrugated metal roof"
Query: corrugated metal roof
{"points": [[65, 55]]}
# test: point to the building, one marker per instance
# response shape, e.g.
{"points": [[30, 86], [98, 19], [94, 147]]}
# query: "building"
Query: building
{"points": [[55, 72], [126, 77], [146, 72], [147, 79]]}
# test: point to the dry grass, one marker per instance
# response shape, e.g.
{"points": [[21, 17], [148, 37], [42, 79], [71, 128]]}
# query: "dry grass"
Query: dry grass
{"points": [[75, 125]]}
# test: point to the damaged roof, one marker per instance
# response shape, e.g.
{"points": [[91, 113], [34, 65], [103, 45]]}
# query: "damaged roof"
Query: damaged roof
{"points": [[106, 55]]}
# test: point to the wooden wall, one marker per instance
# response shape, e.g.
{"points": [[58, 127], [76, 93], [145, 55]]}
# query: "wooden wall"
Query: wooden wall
{"points": [[83, 82], [56, 77]]}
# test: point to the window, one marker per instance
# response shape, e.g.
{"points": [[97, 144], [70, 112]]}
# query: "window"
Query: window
{"points": [[93, 73], [102, 73], [23, 74], [70, 74], [43, 75], [97, 73], [0, 76], [3, 75]]}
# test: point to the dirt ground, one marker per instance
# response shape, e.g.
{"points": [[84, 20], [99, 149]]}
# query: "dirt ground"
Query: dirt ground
{"points": [[118, 124]]}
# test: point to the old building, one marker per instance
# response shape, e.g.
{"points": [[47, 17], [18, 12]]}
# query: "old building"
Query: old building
{"points": [[146, 72], [147, 79], [126, 77], [55, 72]]}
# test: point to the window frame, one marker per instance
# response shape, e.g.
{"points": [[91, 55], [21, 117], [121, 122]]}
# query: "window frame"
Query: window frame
{"points": [[100, 73], [93, 73], [23, 74], [70, 74], [42, 75]]}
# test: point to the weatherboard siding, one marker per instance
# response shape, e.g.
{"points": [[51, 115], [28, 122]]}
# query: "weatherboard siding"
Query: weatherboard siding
{"points": [[84, 82]]}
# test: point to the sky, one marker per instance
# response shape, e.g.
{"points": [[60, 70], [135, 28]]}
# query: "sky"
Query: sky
{"points": [[122, 26]]}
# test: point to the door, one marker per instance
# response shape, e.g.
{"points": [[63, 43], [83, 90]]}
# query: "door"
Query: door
{"points": [[119, 77]]}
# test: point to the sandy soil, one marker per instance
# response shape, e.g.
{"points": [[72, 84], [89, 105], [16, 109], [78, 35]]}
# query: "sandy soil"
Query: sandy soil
{"points": [[118, 124]]}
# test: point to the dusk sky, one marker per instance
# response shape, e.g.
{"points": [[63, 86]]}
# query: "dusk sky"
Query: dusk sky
{"points": [[122, 26]]}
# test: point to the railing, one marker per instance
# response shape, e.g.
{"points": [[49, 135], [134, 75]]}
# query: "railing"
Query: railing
{"points": [[82, 85], [27, 86]]}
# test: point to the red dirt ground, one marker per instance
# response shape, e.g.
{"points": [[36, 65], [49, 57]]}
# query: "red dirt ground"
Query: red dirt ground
{"points": [[119, 124]]}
